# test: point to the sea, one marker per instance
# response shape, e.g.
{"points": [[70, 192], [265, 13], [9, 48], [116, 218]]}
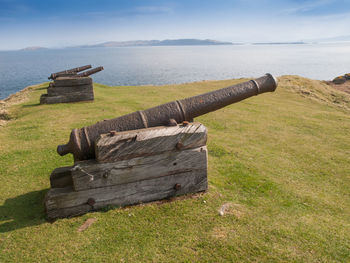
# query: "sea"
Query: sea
{"points": [[175, 64]]}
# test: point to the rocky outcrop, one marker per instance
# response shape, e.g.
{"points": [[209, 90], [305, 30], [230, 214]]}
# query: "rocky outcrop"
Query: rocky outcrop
{"points": [[339, 80]]}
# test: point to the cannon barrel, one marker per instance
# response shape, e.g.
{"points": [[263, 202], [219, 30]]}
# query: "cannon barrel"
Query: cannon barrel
{"points": [[90, 72], [69, 71], [81, 142]]}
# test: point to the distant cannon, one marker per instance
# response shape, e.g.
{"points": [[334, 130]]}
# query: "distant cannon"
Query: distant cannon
{"points": [[68, 72], [81, 143], [69, 86], [90, 72]]}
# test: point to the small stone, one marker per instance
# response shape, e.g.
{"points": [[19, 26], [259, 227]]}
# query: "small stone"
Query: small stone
{"points": [[232, 209]]}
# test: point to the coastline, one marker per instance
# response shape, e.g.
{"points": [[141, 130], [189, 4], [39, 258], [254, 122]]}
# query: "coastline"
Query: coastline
{"points": [[317, 92], [13, 99]]}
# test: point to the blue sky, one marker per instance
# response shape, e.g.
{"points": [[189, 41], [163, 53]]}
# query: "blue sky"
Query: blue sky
{"points": [[54, 23]]}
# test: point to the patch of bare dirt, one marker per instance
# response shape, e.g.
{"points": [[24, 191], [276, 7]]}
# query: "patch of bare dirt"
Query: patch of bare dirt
{"points": [[87, 224]]}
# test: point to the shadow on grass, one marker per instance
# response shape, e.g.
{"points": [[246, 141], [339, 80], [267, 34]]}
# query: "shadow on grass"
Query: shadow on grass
{"points": [[31, 105], [22, 211]]}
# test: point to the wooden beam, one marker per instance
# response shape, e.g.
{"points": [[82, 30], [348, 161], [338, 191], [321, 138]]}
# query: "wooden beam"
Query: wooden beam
{"points": [[90, 174], [65, 202], [72, 97], [70, 81], [56, 91], [146, 142]]}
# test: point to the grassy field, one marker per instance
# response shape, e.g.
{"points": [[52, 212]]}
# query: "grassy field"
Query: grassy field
{"points": [[279, 161]]}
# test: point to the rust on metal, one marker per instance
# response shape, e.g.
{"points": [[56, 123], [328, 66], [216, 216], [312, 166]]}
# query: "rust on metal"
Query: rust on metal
{"points": [[113, 133], [179, 146], [81, 142], [91, 201], [106, 175], [69, 72], [177, 187]]}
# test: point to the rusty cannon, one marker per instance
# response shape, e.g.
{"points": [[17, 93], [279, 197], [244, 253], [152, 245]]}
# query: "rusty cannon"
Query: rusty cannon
{"points": [[70, 86], [82, 141], [90, 72], [68, 72]]}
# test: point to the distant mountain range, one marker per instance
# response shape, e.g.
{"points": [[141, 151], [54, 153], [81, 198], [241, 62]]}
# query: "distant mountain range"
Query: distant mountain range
{"points": [[33, 48], [168, 42], [192, 42]]}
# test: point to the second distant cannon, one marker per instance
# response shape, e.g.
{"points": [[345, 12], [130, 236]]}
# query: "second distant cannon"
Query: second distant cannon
{"points": [[70, 86]]}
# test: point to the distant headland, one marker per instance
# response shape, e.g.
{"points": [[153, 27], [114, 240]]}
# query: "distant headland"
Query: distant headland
{"points": [[33, 48], [167, 42], [192, 42]]}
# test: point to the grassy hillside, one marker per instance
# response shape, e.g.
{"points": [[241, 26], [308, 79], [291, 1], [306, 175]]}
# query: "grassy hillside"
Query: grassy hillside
{"points": [[279, 161]]}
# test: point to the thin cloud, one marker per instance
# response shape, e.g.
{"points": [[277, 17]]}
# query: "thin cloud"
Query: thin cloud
{"points": [[153, 9], [306, 7]]}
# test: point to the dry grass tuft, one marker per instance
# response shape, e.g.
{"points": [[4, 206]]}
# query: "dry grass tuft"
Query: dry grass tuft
{"points": [[317, 90], [15, 99]]}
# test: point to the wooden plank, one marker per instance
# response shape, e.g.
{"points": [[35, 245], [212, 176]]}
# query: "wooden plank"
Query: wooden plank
{"points": [[90, 174], [72, 97], [68, 81], [55, 91], [61, 177], [64, 202], [150, 141]]}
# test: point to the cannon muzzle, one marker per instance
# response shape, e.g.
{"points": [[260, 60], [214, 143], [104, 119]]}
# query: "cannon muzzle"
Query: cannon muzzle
{"points": [[69, 72], [81, 142], [90, 72]]}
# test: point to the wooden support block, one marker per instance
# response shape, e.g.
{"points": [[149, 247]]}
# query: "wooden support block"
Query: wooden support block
{"points": [[65, 202], [145, 142], [56, 91], [72, 97], [90, 174], [134, 167], [69, 81]]}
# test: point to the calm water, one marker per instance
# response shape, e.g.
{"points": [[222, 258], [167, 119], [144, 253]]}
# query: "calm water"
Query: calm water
{"points": [[177, 64]]}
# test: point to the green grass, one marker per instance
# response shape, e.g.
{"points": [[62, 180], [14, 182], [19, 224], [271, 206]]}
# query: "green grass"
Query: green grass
{"points": [[281, 159]]}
